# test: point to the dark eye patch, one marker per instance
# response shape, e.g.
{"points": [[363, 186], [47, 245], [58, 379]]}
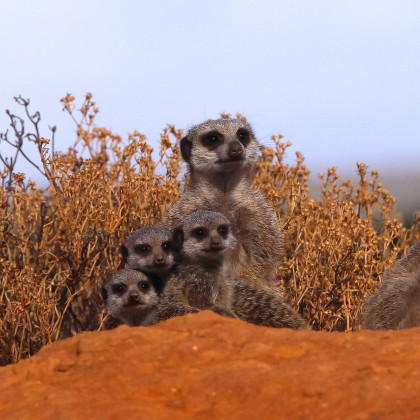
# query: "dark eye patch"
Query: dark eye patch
{"points": [[223, 230], [199, 232], [119, 288], [142, 249], [144, 285], [212, 139], [167, 247], [243, 136]]}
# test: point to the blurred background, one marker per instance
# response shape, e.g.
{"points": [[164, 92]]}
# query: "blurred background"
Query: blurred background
{"points": [[340, 80]]}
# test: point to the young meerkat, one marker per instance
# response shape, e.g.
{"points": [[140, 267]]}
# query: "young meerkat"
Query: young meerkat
{"points": [[198, 280], [221, 155], [204, 280], [132, 297], [396, 304], [150, 250]]}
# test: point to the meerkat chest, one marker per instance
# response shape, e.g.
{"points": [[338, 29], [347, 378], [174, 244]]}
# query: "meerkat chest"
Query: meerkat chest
{"points": [[203, 290], [240, 195], [136, 316]]}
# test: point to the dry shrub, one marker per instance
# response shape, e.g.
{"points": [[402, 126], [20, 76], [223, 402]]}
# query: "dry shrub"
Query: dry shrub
{"points": [[336, 256], [61, 243]]}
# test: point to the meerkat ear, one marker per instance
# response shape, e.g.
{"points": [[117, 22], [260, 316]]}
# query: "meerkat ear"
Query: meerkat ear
{"points": [[104, 294], [186, 147], [157, 283], [124, 253], [178, 238]]}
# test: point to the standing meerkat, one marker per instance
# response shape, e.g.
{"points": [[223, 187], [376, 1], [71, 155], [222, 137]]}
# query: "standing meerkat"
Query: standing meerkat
{"points": [[221, 155], [132, 297], [204, 280], [396, 304]]}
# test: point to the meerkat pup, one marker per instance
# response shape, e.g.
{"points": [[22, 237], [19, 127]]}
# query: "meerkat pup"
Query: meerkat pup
{"points": [[150, 250], [201, 242], [132, 297], [396, 304], [221, 155], [204, 280]]}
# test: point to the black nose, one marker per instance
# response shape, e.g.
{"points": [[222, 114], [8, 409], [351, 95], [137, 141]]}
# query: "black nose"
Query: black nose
{"points": [[236, 151], [134, 297], [159, 261], [215, 245]]}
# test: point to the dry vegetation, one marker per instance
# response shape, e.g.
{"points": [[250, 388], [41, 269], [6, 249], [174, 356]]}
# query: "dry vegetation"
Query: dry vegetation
{"points": [[60, 244]]}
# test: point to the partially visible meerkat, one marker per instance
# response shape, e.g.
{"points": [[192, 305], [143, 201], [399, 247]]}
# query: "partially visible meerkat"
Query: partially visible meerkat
{"points": [[150, 250], [221, 155], [396, 304], [132, 297], [199, 278], [204, 280], [264, 306]]}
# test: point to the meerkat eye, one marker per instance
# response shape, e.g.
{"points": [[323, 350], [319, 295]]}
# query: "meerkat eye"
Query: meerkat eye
{"points": [[198, 232], [243, 136], [141, 249], [166, 246], [223, 230], [119, 288], [144, 285], [210, 139]]}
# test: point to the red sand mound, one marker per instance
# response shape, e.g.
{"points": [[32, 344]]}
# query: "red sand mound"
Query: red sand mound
{"points": [[206, 366]]}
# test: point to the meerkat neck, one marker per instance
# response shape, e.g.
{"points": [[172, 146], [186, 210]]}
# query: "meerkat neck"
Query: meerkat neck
{"points": [[221, 182], [138, 316], [198, 265]]}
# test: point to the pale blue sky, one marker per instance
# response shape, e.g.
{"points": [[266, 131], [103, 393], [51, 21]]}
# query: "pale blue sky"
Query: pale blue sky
{"points": [[340, 79]]}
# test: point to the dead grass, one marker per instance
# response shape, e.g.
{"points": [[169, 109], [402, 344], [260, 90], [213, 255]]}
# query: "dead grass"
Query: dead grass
{"points": [[60, 244]]}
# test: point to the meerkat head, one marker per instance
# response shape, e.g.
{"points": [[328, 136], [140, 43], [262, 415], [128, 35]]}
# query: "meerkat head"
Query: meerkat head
{"points": [[218, 146], [204, 237], [150, 250], [130, 293]]}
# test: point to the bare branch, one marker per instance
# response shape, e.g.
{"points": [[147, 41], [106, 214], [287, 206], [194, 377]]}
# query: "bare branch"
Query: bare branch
{"points": [[32, 162], [53, 130]]}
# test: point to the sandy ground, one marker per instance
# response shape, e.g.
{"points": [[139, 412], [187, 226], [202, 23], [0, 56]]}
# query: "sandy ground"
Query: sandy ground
{"points": [[205, 366]]}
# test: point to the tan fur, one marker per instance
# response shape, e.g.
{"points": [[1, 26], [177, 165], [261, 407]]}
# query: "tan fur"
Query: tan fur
{"points": [[264, 306], [203, 279], [220, 180], [396, 304]]}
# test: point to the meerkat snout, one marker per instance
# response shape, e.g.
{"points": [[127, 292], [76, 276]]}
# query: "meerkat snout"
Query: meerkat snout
{"points": [[236, 151], [216, 245], [133, 298], [136, 296]]}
